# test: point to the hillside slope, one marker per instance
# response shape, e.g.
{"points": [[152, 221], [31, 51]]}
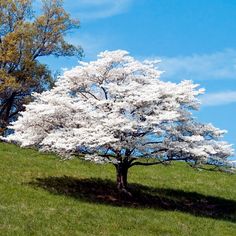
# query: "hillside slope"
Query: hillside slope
{"points": [[41, 195]]}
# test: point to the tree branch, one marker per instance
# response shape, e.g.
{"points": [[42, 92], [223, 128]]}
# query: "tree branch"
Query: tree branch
{"points": [[152, 143], [156, 163], [105, 92], [91, 95]]}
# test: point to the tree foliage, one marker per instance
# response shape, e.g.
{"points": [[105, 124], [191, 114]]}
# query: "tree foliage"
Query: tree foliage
{"points": [[117, 110], [24, 38]]}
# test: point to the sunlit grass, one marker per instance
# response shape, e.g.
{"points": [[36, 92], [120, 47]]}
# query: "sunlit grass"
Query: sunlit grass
{"points": [[41, 195]]}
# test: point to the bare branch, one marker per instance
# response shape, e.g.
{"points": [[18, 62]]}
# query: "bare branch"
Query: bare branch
{"points": [[156, 163], [105, 92]]}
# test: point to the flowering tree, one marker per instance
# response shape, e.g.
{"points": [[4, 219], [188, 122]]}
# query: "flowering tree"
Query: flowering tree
{"points": [[116, 110]]}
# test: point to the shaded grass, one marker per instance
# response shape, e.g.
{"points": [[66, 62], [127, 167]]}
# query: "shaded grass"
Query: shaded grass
{"points": [[40, 195], [104, 192]]}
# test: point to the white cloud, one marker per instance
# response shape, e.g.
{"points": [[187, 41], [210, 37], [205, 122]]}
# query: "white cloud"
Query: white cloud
{"points": [[87, 10], [220, 98], [90, 44], [219, 65], [96, 9], [198, 67]]}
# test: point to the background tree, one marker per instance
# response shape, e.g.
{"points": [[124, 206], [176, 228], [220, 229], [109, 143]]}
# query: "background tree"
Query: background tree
{"points": [[24, 38], [116, 110]]}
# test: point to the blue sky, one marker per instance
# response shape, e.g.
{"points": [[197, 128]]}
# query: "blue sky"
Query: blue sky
{"points": [[195, 40]]}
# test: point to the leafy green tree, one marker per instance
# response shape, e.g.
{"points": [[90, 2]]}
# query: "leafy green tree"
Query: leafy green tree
{"points": [[24, 38]]}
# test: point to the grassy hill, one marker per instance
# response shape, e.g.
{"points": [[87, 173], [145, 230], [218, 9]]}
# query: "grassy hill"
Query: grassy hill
{"points": [[41, 195]]}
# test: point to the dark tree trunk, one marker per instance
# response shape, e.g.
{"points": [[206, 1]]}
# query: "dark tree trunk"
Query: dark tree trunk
{"points": [[5, 113], [121, 178]]}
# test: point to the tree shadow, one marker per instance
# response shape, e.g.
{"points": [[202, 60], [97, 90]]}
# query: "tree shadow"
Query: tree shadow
{"points": [[104, 192]]}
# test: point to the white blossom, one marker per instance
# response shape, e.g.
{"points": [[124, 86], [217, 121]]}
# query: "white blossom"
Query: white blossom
{"points": [[117, 107]]}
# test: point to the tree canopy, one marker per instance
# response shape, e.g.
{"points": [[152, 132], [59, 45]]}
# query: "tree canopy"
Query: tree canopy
{"points": [[117, 110], [24, 38]]}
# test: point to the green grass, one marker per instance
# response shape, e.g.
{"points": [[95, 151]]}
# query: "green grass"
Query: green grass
{"points": [[41, 195]]}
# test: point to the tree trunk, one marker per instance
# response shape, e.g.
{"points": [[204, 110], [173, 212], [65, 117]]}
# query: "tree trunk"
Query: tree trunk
{"points": [[8, 108], [5, 113], [121, 178]]}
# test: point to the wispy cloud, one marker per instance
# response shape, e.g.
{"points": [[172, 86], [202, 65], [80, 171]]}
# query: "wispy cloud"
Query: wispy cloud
{"points": [[219, 65], [97, 9], [90, 44], [220, 98]]}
